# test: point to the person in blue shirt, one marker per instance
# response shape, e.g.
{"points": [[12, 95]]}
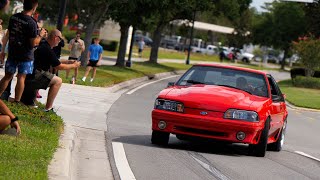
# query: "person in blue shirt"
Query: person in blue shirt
{"points": [[94, 56]]}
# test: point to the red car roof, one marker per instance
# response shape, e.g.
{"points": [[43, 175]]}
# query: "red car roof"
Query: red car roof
{"points": [[233, 67]]}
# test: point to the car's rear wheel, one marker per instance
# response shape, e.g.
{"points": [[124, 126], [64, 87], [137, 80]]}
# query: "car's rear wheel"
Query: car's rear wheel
{"points": [[160, 138], [277, 146], [260, 149]]}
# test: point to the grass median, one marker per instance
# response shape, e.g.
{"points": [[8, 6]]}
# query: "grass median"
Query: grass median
{"points": [[302, 97], [27, 156]]}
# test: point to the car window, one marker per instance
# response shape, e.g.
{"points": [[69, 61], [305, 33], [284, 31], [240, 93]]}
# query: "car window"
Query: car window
{"points": [[275, 90], [252, 83]]}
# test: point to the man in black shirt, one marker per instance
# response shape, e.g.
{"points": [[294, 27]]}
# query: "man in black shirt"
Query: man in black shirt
{"points": [[41, 78], [23, 36]]}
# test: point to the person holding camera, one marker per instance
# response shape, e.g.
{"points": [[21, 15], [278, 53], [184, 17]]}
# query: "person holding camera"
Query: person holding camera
{"points": [[42, 78], [76, 46]]}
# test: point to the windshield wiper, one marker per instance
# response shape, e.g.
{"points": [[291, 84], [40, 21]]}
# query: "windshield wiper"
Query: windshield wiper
{"points": [[234, 88], [194, 82]]}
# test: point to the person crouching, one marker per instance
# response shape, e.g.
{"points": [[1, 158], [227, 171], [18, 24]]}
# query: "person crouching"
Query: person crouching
{"points": [[41, 78]]}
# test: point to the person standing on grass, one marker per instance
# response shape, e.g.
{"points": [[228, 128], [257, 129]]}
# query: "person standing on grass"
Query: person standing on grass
{"points": [[141, 45], [94, 56], [6, 116], [23, 36], [76, 46]]}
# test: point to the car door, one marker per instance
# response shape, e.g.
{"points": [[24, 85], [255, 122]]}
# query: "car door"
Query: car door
{"points": [[277, 106]]}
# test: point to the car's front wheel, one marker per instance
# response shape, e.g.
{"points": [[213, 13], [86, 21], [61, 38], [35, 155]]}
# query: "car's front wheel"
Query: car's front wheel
{"points": [[160, 138], [277, 146], [260, 149]]}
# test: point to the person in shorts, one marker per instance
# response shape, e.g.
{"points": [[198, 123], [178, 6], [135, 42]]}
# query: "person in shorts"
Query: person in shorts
{"points": [[141, 45], [94, 56], [76, 46], [42, 78], [23, 35]]}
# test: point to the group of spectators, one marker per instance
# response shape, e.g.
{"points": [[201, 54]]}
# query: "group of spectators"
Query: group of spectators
{"points": [[34, 52]]}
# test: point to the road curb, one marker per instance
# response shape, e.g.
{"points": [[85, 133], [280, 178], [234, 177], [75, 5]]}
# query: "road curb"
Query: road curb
{"points": [[59, 167], [301, 108]]}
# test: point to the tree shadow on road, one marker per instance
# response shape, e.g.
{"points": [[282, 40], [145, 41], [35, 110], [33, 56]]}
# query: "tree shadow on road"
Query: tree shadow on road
{"points": [[199, 145]]}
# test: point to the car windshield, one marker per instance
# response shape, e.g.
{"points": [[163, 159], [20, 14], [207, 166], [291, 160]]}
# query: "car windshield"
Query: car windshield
{"points": [[249, 82]]}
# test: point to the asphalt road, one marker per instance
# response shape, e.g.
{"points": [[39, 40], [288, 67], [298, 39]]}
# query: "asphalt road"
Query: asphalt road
{"points": [[129, 122]]}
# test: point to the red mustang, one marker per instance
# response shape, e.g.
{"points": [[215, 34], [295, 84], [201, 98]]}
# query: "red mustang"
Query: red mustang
{"points": [[225, 103]]}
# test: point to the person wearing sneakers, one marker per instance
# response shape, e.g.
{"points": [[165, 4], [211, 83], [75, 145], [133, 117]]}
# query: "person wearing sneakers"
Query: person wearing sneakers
{"points": [[76, 46], [23, 35], [41, 77], [94, 56]]}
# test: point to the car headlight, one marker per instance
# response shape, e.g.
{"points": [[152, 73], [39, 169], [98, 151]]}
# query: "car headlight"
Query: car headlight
{"points": [[168, 105], [250, 116]]}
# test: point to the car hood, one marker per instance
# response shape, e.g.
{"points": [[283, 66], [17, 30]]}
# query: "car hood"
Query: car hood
{"points": [[213, 98]]}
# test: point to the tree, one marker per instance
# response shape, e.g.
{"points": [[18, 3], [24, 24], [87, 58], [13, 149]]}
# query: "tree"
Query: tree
{"points": [[92, 15], [312, 11], [308, 51], [128, 13], [280, 26], [165, 11]]}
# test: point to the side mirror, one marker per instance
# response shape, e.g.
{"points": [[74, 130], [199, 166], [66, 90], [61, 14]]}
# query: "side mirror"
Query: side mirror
{"points": [[276, 98], [284, 96], [170, 84]]}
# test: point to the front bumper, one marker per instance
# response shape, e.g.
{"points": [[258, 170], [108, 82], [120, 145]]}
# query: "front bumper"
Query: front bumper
{"points": [[211, 126]]}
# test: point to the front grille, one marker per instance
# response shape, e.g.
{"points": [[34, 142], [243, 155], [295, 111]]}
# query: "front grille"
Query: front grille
{"points": [[199, 131]]}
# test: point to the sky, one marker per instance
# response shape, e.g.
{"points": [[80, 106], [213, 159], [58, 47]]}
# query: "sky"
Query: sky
{"points": [[258, 3]]}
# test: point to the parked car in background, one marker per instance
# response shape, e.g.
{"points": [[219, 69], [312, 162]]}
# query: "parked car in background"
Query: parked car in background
{"points": [[210, 50], [244, 56], [148, 41], [225, 103]]}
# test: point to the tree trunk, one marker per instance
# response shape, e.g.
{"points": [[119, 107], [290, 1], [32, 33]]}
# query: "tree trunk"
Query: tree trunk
{"points": [[123, 45], [87, 40], [285, 54], [309, 72], [156, 43]]}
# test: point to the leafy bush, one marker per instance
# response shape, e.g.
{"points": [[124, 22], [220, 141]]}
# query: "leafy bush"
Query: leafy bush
{"points": [[307, 82], [109, 45], [294, 72], [308, 50]]}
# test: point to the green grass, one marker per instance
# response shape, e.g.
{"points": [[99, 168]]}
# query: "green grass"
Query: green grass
{"points": [[28, 155], [110, 75], [302, 97]]}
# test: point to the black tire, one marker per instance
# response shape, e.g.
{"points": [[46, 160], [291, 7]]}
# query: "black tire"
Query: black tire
{"points": [[260, 149], [160, 138], [182, 137], [277, 146]]}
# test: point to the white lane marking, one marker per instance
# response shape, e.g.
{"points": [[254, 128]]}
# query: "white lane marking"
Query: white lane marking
{"points": [[139, 87], [215, 172], [307, 155], [122, 162]]}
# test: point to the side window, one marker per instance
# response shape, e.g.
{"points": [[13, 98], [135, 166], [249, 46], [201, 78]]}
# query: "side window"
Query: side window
{"points": [[275, 90]]}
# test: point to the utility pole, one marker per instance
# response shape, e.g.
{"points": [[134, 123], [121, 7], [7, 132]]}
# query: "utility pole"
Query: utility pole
{"points": [[62, 12], [191, 38]]}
